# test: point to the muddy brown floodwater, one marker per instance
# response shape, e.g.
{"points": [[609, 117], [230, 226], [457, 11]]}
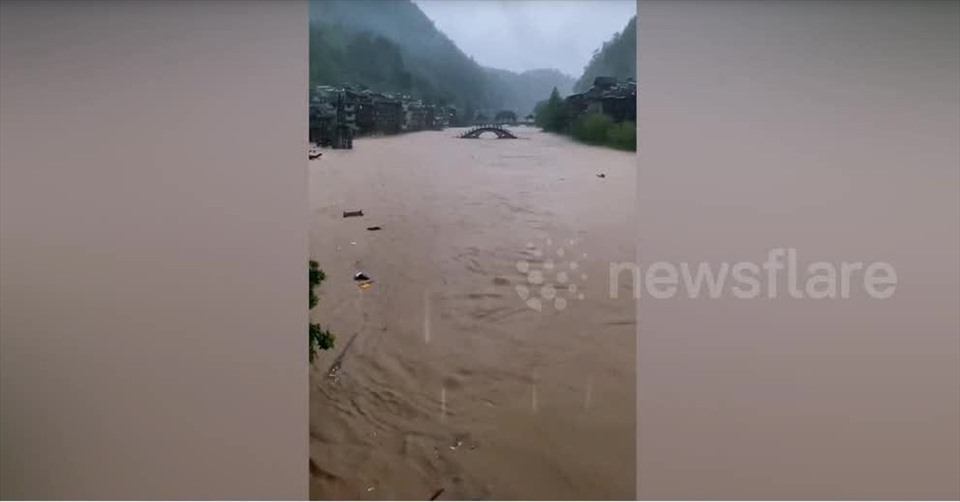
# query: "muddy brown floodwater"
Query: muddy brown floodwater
{"points": [[455, 381]]}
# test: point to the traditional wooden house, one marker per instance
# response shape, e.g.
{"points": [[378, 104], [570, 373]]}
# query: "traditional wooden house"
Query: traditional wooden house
{"points": [[388, 114], [330, 118], [608, 96]]}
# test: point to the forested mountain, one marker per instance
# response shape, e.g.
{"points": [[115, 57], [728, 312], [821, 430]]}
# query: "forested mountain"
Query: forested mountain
{"points": [[393, 46], [617, 58], [338, 55]]}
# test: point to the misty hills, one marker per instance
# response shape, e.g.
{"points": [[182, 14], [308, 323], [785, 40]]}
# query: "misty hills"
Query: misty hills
{"points": [[616, 58], [521, 91], [392, 46]]}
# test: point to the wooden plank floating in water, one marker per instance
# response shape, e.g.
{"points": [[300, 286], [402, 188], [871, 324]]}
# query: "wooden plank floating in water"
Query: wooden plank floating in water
{"points": [[348, 214]]}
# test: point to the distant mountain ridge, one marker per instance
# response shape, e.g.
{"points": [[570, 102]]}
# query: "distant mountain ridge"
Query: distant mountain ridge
{"points": [[521, 91], [393, 46]]}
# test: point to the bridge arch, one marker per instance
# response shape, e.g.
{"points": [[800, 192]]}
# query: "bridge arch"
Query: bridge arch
{"points": [[500, 131]]}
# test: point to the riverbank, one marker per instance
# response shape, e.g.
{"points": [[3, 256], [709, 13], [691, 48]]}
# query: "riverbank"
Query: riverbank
{"points": [[600, 130], [586, 118]]}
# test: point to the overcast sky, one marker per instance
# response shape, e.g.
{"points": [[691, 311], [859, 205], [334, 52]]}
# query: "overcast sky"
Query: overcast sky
{"points": [[523, 35]]}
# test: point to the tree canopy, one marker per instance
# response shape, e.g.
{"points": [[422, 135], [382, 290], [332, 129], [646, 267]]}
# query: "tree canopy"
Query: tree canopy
{"points": [[392, 46], [552, 114]]}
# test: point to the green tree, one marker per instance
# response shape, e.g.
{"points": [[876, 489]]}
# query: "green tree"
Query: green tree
{"points": [[599, 129], [320, 339], [592, 129], [623, 136], [552, 115]]}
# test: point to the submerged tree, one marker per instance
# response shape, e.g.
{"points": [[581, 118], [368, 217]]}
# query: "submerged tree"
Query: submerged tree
{"points": [[320, 339], [552, 115]]}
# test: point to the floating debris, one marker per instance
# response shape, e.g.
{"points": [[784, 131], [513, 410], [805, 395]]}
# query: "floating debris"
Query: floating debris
{"points": [[601, 175], [338, 362], [373, 228], [349, 214], [360, 276], [458, 441]]}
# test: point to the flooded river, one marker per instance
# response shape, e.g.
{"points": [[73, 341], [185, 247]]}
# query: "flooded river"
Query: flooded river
{"points": [[488, 359]]}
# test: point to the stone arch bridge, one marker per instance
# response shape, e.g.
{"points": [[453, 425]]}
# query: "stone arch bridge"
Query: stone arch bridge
{"points": [[500, 131]]}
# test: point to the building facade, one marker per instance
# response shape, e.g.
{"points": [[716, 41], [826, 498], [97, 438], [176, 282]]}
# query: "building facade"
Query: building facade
{"points": [[337, 114], [608, 96], [331, 118]]}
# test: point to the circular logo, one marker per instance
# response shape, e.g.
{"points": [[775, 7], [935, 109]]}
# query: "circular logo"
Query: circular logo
{"points": [[551, 276]]}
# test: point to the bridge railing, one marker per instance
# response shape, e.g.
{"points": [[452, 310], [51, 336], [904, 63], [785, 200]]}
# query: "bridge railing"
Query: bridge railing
{"points": [[477, 130], [488, 126]]}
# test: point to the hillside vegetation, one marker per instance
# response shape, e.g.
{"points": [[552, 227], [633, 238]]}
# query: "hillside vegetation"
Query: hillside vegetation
{"points": [[392, 46], [616, 58]]}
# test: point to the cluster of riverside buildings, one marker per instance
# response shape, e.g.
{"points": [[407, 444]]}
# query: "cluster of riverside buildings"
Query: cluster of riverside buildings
{"points": [[614, 98], [338, 114]]}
